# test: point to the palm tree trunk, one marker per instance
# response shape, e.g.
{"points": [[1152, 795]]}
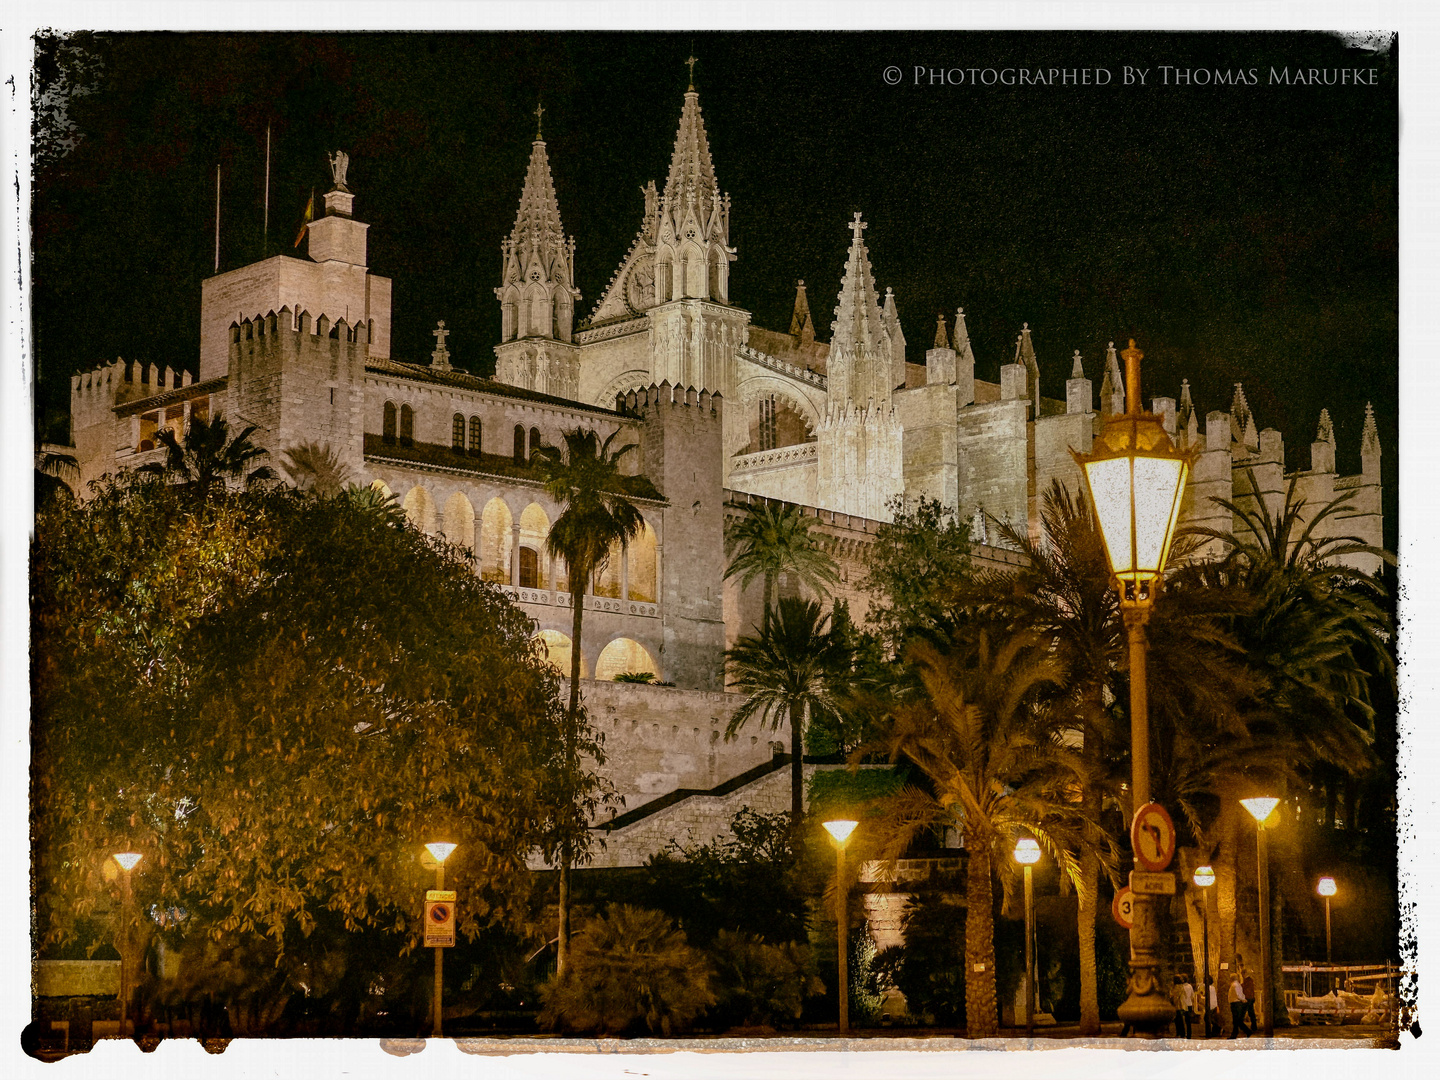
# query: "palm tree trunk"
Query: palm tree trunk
{"points": [[1089, 893], [577, 600], [797, 765], [981, 1020]]}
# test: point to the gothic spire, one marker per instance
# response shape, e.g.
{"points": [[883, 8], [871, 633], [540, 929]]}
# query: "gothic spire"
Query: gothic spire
{"points": [[1369, 435], [691, 182], [942, 340], [1112, 387], [539, 217], [1077, 369], [802, 327], [963, 352], [857, 313], [1186, 408], [1326, 431], [537, 253], [1240, 418]]}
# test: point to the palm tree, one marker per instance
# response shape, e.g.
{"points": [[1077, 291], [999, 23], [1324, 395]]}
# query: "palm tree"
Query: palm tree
{"points": [[995, 764], [316, 468], [792, 671], [584, 477], [207, 455], [774, 539]]}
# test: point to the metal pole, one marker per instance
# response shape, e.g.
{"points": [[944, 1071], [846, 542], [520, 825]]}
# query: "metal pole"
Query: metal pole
{"points": [[844, 928], [126, 897], [1205, 936], [1029, 954], [439, 962], [1327, 931], [1139, 707], [1265, 993]]}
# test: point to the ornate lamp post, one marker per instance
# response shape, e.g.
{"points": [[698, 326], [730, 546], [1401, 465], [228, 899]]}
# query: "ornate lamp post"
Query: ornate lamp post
{"points": [[1260, 809], [439, 852], [840, 831], [1326, 888], [1203, 878], [1027, 854], [1136, 477], [127, 861]]}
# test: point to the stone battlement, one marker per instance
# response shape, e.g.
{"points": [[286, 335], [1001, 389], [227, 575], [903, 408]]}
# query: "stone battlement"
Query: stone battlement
{"points": [[651, 398]]}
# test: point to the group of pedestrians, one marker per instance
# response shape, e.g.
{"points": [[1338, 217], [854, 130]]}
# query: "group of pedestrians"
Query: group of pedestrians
{"points": [[1241, 999]]}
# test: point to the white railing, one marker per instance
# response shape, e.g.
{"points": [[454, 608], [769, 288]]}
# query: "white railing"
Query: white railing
{"points": [[783, 455], [556, 598]]}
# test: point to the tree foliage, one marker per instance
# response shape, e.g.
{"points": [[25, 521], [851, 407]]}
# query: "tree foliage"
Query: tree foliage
{"points": [[917, 563], [277, 700], [773, 540]]}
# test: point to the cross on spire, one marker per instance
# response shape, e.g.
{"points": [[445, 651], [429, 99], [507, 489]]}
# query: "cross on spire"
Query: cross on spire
{"points": [[440, 358], [857, 226], [692, 62], [539, 114]]}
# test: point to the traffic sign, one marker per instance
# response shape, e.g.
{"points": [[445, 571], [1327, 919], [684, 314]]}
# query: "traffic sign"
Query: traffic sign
{"points": [[1149, 883], [1123, 908], [439, 918], [1152, 837]]}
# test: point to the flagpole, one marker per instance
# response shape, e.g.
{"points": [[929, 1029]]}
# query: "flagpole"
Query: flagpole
{"points": [[217, 219], [265, 241]]}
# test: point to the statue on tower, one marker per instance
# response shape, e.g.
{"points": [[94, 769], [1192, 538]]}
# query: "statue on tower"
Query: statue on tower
{"points": [[339, 163]]}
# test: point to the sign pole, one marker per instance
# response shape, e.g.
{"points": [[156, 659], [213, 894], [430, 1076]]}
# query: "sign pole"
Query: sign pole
{"points": [[439, 960]]}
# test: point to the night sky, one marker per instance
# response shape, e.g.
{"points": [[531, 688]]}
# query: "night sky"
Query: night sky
{"points": [[1239, 232]]}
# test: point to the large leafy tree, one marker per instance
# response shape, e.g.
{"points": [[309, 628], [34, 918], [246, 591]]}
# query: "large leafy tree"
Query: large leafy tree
{"points": [[995, 766], [917, 564], [792, 673], [584, 476], [276, 701], [773, 539]]}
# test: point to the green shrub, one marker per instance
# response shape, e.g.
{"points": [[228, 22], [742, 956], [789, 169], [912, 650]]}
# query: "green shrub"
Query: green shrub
{"points": [[757, 983], [635, 676], [929, 969], [629, 968]]}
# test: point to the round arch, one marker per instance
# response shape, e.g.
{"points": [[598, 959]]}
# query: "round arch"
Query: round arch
{"points": [[624, 655], [534, 561], [420, 509], [460, 520], [496, 538], [556, 650], [641, 576]]}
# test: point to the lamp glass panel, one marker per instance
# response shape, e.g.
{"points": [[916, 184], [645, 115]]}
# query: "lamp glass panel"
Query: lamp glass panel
{"points": [[127, 859], [440, 851], [1027, 851], [840, 830], [1327, 886], [1260, 808], [1204, 876], [1157, 482], [1110, 490]]}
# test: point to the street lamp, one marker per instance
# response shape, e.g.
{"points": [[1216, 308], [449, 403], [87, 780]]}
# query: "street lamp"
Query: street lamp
{"points": [[1204, 877], [1136, 478], [840, 831], [127, 861], [1260, 809], [1326, 888], [1027, 854], [439, 852]]}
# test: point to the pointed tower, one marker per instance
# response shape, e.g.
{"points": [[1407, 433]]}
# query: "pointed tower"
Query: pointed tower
{"points": [[859, 451], [1242, 423], [1322, 450], [802, 327], [1112, 388], [1025, 357], [537, 293], [940, 358], [1187, 421], [694, 332], [964, 360], [1370, 446], [890, 319], [1077, 388]]}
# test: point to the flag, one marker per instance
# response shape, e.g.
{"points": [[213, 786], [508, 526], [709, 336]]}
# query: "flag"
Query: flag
{"points": [[309, 217]]}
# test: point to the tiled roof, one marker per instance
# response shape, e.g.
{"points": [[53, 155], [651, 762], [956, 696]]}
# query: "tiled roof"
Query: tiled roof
{"points": [[462, 380], [173, 396]]}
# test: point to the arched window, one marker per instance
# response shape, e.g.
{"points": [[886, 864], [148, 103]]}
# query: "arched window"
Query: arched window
{"points": [[534, 440], [495, 541], [407, 426], [519, 444], [607, 577], [457, 433], [621, 656], [420, 509], [388, 430], [529, 568], [557, 652], [474, 436], [460, 521], [534, 528], [715, 276]]}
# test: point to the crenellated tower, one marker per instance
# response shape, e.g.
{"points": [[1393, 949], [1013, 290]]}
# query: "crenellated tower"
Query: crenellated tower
{"points": [[537, 293], [860, 439]]}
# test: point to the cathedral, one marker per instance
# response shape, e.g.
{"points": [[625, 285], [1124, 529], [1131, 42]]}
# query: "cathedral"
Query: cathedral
{"points": [[723, 413]]}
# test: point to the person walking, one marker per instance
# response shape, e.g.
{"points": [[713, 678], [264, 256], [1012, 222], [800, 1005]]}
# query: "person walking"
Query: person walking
{"points": [[1182, 1015], [1249, 987], [1187, 992], [1212, 1008], [1237, 1005]]}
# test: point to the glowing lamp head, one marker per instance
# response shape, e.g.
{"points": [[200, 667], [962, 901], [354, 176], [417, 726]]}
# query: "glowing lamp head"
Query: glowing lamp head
{"points": [[1260, 808], [1204, 877], [840, 830], [1027, 851], [127, 859], [441, 851], [1326, 886], [1136, 478]]}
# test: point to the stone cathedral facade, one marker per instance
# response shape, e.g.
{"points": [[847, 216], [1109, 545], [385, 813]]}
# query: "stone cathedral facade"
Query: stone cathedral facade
{"points": [[723, 413]]}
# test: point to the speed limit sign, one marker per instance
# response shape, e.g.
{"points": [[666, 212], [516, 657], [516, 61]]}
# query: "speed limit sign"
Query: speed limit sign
{"points": [[439, 918], [1123, 908]]}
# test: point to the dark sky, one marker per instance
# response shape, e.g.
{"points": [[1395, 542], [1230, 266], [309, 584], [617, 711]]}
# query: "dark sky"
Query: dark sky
{"points": [[1240, 233]]}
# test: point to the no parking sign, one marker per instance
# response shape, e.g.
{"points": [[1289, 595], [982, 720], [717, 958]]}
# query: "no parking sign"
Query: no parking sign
{"points": [[439, 918]]}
